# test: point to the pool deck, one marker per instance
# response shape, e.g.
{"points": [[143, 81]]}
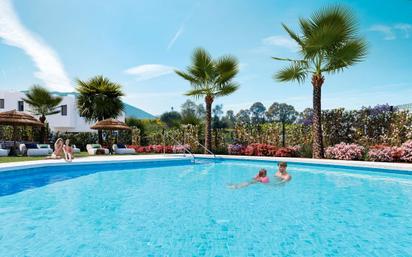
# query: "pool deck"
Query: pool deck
{"points": [[159, 157]]}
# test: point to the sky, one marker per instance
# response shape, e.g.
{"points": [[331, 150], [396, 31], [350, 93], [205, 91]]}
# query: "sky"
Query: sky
{"points": [[139, 44]]}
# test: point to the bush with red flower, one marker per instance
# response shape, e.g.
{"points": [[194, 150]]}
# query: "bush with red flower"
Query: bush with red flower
{"points": [[384, 153]]}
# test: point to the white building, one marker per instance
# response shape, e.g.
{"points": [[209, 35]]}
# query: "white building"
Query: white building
{"points": [[68, 120]]}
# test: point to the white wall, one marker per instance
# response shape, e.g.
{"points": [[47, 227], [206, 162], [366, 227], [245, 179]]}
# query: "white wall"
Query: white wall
{"points": [[70, 123]]}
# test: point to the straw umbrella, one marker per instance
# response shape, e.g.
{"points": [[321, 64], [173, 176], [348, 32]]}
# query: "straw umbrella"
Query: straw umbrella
{"points": [[110, 124], [15, 118]]}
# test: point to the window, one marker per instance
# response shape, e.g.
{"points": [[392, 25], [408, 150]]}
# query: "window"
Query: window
{"points": [[63, 110], [20, 106], [1, 103]]}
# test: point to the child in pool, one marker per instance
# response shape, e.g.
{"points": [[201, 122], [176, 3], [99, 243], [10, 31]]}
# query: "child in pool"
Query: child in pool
{"points": [[282, 174], [261, 177]]}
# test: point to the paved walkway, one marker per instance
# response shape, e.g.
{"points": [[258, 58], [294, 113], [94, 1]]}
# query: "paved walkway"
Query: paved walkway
{"points": [[119, 158]]}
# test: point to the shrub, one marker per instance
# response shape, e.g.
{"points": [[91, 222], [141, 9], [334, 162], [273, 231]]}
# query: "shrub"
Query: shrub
{"points": [[406, 151], [236, 149], [382, 153], [345, 151], [159, 148], [290, 151]]}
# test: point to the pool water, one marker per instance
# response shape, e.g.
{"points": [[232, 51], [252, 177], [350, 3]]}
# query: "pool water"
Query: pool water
{"points": [[181, 209]]}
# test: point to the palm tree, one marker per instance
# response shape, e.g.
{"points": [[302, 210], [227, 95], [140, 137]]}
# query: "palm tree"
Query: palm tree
{"points": [[210, 79], [328, 43], [42, 103], [99, 99]]}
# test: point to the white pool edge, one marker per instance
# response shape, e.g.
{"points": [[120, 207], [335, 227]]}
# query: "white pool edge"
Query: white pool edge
{"points": [[169, 157]]}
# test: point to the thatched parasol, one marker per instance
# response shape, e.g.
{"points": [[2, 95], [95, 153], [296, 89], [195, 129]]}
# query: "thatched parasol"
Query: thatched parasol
{"points": [[110, 124], [15, 118]]}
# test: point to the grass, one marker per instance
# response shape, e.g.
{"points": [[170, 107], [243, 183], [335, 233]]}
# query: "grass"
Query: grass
{"points": [[33, 158]]}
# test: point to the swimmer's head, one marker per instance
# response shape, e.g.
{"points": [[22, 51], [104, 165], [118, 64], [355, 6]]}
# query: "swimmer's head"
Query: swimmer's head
{"points": [[262, 173], [282, 166]]}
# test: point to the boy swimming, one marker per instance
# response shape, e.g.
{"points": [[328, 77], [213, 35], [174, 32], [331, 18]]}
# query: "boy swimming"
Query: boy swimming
{"points": [[282, 174]]}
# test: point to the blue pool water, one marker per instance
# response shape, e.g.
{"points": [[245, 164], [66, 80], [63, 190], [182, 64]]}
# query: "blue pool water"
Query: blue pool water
{"points": [[180, 209]]}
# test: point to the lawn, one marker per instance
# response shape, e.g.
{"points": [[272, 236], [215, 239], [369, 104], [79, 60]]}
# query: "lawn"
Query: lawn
{"points": [[33, 158]]}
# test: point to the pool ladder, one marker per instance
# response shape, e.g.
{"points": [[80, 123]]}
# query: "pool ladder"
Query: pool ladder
{"points": [[166, 135]]}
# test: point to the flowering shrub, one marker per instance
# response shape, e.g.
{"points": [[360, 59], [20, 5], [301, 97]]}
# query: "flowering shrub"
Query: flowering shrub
{"points": [[264, 150], [290, 151], [180, 148], [383, 153], [345, 151], [236, 149], [159, 148], [406, 151], [251, 150]]}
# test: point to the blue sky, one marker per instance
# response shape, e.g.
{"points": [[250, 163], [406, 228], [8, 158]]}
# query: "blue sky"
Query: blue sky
{"points": [[138, 44]]}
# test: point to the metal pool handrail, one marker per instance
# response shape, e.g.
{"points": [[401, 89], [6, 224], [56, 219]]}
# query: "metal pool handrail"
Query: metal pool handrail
{"points": [[204, 147], [184, 147]]}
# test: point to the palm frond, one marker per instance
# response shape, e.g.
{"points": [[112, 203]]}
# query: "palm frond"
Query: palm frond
{"points": [[293, 35], [352, 52], [227, 68], [227, 89], [198, 92], [294, 72]]}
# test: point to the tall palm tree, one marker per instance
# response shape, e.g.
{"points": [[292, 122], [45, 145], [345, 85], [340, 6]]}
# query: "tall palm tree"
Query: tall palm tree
{"points": [[328, 43], [210, 79], [99, 99], [42, 103]]}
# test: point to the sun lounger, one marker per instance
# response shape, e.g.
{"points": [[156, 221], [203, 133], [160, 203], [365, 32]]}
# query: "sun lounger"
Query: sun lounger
{"points": [[121, 149], [75, 149], [93, 148], [35, 149], [4, 152]]}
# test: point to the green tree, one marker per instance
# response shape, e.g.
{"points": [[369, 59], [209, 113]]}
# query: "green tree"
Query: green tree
{"points": [[42, 103], [229, 119], [328, 43], [243, 117], [283, 113], [189, 112], [210, 79], [258, 113], [99, 99], [172, 119]]}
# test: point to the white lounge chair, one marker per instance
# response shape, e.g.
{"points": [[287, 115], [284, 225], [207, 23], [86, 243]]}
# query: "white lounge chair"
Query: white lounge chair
{"points": [[4, 152], [92, 148], [122, 149], [75, 149], [35, 149]]}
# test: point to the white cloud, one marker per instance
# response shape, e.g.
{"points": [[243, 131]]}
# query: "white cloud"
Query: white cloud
{"points": [[176, 36], [50, 69], [149, 71], [389, 32], [281, 41], [385, 30], [406, 28]]}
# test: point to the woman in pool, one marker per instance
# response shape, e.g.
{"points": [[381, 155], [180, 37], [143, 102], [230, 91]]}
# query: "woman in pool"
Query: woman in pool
{"points": [[68, 151], [282, 174], [261, 177]]}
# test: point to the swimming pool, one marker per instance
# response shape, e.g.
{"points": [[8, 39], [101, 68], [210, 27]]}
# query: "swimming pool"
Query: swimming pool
{"points": [[175, 208]]}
